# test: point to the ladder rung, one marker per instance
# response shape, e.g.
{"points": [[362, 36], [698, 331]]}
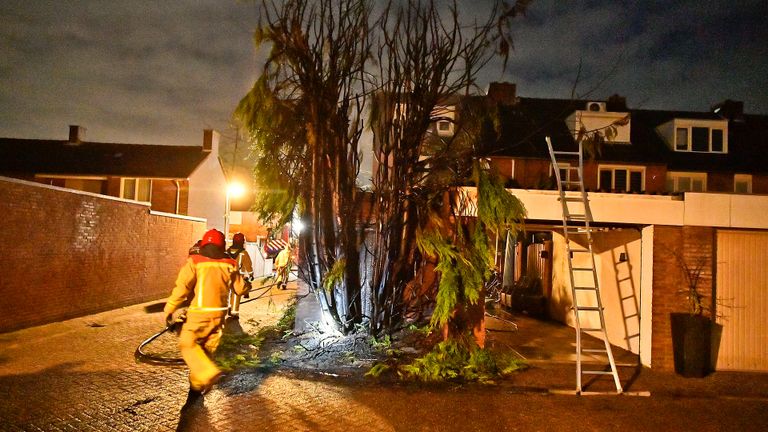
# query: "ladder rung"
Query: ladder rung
{"points": [[573, 199], [594, 350], [580, 250], [588, 308], [591, 329], [585, 288], [561, 152], [596, 372], [567, 167], [586, 269]]}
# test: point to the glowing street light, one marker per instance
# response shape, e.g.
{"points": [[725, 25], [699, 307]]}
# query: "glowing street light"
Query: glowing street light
{"points": [[234, 190]]}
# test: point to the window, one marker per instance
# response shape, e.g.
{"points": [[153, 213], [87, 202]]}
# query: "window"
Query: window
{"points": [[567, 172], [717, 140], [137, 189], [702, 139], [621, 179], [742, 183], [681, 142], [444, 127], [686, 182], [443, 116]]}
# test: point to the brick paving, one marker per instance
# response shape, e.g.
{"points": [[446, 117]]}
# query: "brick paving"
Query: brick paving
{"points": [[80, 375]]}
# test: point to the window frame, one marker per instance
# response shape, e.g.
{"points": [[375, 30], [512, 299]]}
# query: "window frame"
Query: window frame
{"points": [[629, 170], [746, 178], [675, 177], [688, 147], [568, 169], [136, 188]]}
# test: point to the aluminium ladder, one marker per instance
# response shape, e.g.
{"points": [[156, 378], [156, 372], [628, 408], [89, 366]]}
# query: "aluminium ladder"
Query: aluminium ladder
{"points": [[586, 295]]}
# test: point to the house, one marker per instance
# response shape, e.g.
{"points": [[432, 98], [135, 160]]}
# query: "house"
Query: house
{"points": [[653, 151], [668, 190], [185, 180]]}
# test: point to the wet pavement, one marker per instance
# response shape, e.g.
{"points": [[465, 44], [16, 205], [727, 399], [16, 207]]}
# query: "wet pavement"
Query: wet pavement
{"points": [[81, 375]]}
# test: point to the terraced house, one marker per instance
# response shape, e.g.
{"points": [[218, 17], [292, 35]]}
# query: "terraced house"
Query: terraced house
{"points": [[673, 194]]}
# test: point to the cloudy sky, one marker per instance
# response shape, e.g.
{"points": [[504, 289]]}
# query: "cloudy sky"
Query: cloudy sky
{"points": [[162, 71]]}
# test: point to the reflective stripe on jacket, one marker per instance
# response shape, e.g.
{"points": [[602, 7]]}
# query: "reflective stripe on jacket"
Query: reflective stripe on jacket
{"points": [[244, 263], [208, 281]]}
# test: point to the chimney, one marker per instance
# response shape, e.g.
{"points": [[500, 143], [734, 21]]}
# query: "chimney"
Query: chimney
{"points": [[730, 110], [504, 93], [210, 141], [76, 134], [616, 103]]}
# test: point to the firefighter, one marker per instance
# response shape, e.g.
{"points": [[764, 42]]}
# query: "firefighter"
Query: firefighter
{"points": [[195, 249], [207, 278], [244, 265], [283, 266]]}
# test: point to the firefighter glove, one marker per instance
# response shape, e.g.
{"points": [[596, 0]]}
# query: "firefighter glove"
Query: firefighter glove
{"points": [[169, 321]]}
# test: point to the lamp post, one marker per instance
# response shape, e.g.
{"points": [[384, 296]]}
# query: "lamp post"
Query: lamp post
{"points": [[234, 190]]}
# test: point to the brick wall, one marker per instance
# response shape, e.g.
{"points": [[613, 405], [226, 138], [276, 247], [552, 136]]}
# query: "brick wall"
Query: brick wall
{"points": [[759, 184], [696, 245], [68, 254], [655, 179], [531, 173], [720, 182]]}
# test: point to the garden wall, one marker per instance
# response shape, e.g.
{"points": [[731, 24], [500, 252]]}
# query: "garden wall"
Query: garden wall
{"points": [[68, 253]]}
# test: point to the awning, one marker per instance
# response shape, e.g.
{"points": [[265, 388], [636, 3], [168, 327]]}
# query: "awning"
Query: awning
{"points": [[274, 246]]}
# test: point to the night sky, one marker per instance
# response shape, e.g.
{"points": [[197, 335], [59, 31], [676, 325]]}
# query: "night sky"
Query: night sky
{"points": [[160, 72]]}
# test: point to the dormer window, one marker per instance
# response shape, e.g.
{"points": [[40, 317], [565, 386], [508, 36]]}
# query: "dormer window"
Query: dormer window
{"points": [[444, 116], [700, 139], [698, 136], [595, 118]]}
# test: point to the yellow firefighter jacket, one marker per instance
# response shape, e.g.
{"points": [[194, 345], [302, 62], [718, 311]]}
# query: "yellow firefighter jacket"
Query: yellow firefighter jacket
{"points": [[208, 280], [283, 258], [244, 263]]}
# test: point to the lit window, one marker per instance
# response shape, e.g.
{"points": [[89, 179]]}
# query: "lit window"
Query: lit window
{"points": [[136, 189], [621, 179], [686, 182], [742, 183]]}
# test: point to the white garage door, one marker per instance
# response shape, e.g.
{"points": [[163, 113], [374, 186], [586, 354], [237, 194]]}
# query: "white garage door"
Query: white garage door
{"points": [[742, 299]]}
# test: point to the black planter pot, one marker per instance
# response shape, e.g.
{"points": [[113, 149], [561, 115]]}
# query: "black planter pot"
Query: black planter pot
{"points": [[691, 344]]}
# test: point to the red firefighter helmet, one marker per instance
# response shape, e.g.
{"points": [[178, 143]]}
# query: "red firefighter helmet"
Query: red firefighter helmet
{"points": [[238, 239], [213, 236]]}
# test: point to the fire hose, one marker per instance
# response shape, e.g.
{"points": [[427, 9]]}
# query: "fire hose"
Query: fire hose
{"points": [[175, 327], [140, 355]]}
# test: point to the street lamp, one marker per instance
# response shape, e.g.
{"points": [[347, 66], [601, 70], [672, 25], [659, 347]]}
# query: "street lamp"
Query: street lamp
{"points": [[234, 190]]}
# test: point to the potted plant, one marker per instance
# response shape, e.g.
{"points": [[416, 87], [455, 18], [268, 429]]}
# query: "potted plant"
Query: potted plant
{"points": [[692, 330]]}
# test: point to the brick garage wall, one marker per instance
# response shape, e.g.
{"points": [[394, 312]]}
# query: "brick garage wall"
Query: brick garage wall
{"points": [[68, 254], [696, 245]]}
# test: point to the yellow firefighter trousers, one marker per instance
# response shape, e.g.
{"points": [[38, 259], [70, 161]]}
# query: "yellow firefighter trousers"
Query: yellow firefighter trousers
{"points": [[199, 338]]}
